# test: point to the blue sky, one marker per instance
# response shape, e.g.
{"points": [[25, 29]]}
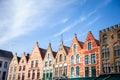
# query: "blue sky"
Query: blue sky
{"points": [[23, 22]]}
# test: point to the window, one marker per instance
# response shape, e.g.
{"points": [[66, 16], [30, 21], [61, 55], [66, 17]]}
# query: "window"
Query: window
{"points": [[50, 63], [13, 77], [74, 48], [105, 53], [106, 68], [93, 59], [11, 69], [20, 68], [60, 57], [89, 46], [117, 66], [72, 71], [22, 61], [0, 64], [77, 71], [50, 74], [19, 76], [105, 39], [65, 57], [119, 34], [93, 71], [117, 51], [77, 58], [60, 71], [33, 75], [3, 76], [46, 63], [86, 59], [65, 70], [23, 68], [5, 65], [48, 55], [10, 77], [56, 71], [86, 71], [72, 59], [29, 74], [36, 63], [23, 76], [15, 69], [38, 74], [32, 63]]}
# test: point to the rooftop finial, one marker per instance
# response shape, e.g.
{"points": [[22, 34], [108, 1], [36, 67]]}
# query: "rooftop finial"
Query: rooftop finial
{"points": [[61, 41]]}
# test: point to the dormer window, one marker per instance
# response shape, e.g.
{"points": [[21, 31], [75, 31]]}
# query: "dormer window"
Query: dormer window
{"points": [[89, 45], [104, 39], [74, 48]]}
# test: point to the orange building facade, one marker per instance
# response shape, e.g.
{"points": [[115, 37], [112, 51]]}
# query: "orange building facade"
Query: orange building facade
{"points": [[84, 58]]}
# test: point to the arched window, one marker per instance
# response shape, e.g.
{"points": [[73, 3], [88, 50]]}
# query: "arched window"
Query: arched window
{"points": [[60, 57], [74, 48], [77, 71], [72, 71], [77, 58], [118, 34], [72, 59], [105, 39]]}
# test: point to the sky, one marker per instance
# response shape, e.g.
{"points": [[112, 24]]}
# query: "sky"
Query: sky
{"points": [[25, 22]]}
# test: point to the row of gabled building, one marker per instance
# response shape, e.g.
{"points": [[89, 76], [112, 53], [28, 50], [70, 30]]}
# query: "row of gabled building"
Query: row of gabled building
{"points": [[82, 59]]}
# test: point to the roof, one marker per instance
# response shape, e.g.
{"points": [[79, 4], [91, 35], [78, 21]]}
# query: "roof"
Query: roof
{"points": [[43, 52], [54, 54], [6, 54], [27, 57], [97, 41], [18, 59], [81, 44], [66, 49]]}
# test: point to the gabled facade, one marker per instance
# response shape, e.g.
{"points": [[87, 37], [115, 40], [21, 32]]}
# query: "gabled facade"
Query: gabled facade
{"points": [[21, 70], [48, 63], [35, 63], [60, 65], [12, 73], [91, 58], [75, 59]]}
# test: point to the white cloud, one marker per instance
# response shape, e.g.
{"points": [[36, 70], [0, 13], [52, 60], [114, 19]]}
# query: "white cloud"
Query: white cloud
{"points": [[19, 17], [64, 20], [92, 21], [81, 19]]}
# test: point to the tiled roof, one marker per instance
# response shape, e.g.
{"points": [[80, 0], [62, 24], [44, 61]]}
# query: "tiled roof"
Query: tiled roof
{"points": [[27, 57], [18, 59], [66, 48], [6, 54], [81, 44], [43, 52], [54, 54], [97, 41]]}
